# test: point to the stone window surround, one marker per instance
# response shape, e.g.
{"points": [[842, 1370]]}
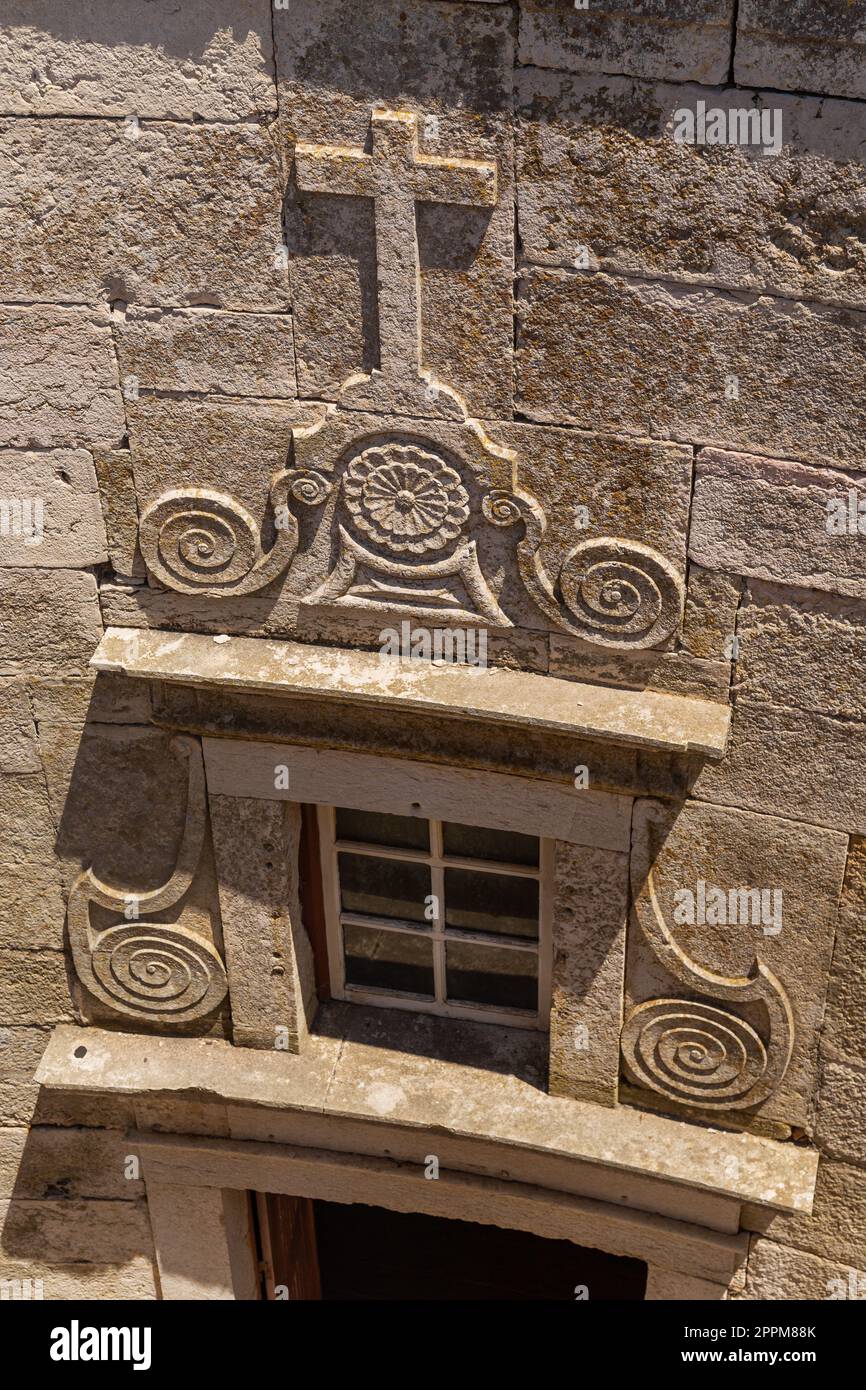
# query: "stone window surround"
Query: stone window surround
{"points": [[681, 1215], [259, 776]]}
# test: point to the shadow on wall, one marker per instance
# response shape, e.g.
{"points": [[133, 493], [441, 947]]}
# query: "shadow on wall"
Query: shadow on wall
{"points": [[178, 30], [154, 58]]}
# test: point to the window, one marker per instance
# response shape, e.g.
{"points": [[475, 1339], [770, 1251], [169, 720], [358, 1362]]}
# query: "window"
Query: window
{"points": [[438, 917]]}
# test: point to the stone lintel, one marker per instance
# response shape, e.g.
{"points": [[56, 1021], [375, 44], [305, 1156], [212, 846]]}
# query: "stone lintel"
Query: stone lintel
{"points": [[472, 1103], [647, 719]]}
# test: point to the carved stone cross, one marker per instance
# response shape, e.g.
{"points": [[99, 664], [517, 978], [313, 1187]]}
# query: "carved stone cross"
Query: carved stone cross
{"points": [[396, 175]]}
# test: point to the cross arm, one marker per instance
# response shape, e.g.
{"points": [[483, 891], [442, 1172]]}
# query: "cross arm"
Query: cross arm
{"points": [[469, 181], [334, 169]]}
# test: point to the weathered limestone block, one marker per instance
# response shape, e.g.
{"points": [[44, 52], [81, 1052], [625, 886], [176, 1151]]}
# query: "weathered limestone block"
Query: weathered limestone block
{"points": [[651, 38], [268, 954], [836, 1229], [22, 1103], [778, 884], [120, 511], [55, 519], [165, 214], [32, 907], [97, 1282], [100, 699], [516, 648], [58, 377], [589, 925], [26, 830], [68, 1233], [678, 673], [845, 1021], [198, 1232], [61, 1164], [801, 650], [778, 1272], [710, 618], [665, 1285], [812, 45], [19, 751], [657, 359], [601, 177], [592, 486], [256, 615], [49, 621], [172, 1116], [34, 988], [841, 1128], [207, 350], [20, 1052], [778, 520], [105, 783], [234, 447], [791, 763], [453, 67], [202, 59]]}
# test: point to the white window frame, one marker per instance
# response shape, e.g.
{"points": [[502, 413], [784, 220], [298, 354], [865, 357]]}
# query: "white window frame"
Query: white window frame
{"points": [[438, 862]]}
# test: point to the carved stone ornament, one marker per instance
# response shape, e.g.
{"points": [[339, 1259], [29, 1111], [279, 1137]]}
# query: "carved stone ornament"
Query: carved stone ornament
{"points": [[407, 504], [700, 1054], [405, 498], [150, 970]]}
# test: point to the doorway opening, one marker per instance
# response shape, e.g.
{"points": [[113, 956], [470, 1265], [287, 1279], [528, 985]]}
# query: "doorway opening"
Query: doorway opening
{"points": [[336, 1252]]}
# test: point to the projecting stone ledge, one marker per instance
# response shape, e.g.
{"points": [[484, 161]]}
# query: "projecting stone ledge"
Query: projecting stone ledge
{"points": [[342, 1089], [667, 723]]}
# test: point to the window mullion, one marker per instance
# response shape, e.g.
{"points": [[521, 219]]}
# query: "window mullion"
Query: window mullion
{"points": [[437, 887]]}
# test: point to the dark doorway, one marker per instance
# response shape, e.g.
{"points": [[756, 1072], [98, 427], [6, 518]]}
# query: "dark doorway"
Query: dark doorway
{"points": [[368, 1253]]}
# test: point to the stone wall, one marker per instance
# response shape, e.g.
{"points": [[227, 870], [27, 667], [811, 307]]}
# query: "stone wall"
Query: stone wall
{"points": [[670, 336]]}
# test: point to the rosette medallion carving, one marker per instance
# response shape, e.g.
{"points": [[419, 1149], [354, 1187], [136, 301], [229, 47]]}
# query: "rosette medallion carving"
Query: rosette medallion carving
{"points": [[405, 498]]}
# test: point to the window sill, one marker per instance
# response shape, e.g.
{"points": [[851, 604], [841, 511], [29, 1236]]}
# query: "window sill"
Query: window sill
{"points": [[665, 723], [357, 1092]]}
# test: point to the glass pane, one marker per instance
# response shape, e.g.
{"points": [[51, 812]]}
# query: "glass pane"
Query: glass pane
{"points": [[486, 975], [384, 887], [474, 842], [374, 828], [477, 901], [392, 960]]}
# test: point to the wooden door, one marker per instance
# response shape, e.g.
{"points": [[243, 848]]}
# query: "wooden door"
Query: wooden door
{"points": [[290, 1260]]}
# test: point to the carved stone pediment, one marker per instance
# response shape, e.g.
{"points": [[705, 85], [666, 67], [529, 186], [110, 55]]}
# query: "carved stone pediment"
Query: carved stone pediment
{"points": [[397, 499]]}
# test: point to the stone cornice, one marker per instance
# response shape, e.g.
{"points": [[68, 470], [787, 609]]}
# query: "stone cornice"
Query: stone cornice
{"points": [[665, 723]]}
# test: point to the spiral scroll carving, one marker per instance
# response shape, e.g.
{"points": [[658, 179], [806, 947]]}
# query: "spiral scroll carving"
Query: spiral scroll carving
{"points": [[611, 592], [694, 1053], [501, 508], [622, 593], [196, 541], [159, 970], [148, 970], [689, 1051]]}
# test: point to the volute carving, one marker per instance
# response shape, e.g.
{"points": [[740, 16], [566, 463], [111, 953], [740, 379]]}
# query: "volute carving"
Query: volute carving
{"points": [[198, 541], [697, 1053], [150, 970]]}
